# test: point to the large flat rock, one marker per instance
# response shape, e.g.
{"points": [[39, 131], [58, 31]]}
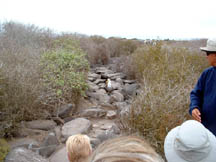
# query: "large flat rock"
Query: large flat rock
{"points": [[24, 155], [76, 126]]}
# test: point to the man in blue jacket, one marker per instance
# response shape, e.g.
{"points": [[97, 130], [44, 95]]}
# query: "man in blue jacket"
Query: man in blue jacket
{"points": [[203, 96]]}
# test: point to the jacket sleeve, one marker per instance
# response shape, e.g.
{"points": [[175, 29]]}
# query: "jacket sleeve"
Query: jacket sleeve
{"points": [[196, 95]]}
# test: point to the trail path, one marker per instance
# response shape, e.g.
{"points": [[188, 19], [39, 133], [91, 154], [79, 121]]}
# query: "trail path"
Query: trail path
{"points": [[97, 116]]}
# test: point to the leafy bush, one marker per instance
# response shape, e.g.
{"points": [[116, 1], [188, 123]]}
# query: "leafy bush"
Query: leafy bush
{"points": [[4, 149], [167, 77], [22, 92], [64, 73]]}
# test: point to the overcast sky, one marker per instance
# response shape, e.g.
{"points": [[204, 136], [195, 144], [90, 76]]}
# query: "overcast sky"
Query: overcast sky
{"points": [[178, 19]]}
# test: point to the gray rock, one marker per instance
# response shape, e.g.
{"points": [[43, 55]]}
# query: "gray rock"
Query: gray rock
{"points": [[100, 95], [24, 142], [93, 95], [129, 90], [117, 86], [24, 155], [91, 79], [104, 98], [108, 106], [102, 70], [76, 126], [94, 113], [111, 114], [57, 131], [106, 126], [117, 75], [99, 81], [101, 91], [41, 124], [129, 81], [105, 136], [104, 76], [48, 145], [94, 76], [65, 110], [102, 85], [92, 87], [59, 156], [120, 81], [24, 132], [116, 97], [115, 129]]}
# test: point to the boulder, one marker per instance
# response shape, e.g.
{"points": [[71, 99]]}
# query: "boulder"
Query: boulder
{"points": [[111, 114], [94, 112], [24, 142], [41, 124], [119, 80], [48, 145], [93, 76], [98, 81], [129, 81], [116, 75], [20, 154], [116, 97], [65, 110], [102, 70], [117, 86], [76, 126], [129, 90], [24, 132], [93, 87]]}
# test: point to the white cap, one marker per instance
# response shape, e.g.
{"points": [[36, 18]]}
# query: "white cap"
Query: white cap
{"points": [[211, 45]]}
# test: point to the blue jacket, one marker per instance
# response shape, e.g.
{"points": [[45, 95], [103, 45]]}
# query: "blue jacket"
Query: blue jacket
{"points": [[203, 96]]}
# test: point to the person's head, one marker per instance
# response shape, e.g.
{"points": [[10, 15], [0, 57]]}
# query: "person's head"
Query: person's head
{"points": [[78, 148], [125, 149], [210, 50], [190, 142]]}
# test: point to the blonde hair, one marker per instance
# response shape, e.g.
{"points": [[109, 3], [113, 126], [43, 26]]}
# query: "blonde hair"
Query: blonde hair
{"points": [[78, 148], [125, 149]]}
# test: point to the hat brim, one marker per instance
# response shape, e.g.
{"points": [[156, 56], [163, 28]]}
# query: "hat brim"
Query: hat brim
{"points": [[207, 49], [172, 156]]}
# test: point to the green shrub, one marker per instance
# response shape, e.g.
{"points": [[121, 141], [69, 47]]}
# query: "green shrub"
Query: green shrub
{"points": [[167, 77], [64, 72], [66, 42], [4, 149]]}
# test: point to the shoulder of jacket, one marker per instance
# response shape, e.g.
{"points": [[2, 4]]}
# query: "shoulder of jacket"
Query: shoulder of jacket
{"points": [[208, 69]]}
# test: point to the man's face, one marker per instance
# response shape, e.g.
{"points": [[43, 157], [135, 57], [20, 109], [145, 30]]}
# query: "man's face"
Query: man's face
{"points": [[211, 56]]}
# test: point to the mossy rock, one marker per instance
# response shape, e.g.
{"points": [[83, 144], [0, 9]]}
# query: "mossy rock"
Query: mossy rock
{"points": [[4, 149]]}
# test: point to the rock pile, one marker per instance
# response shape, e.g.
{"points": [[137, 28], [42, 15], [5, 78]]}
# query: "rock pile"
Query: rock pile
{"points": [[96, 117]]}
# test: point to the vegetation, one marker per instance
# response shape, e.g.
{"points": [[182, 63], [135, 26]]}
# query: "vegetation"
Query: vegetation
{"points": [[167, 77], [64, 73], [40, 70], [4, 149]]}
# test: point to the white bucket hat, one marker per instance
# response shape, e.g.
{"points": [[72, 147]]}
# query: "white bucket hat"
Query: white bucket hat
{"points": [[211, 45], [190, 142]]}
